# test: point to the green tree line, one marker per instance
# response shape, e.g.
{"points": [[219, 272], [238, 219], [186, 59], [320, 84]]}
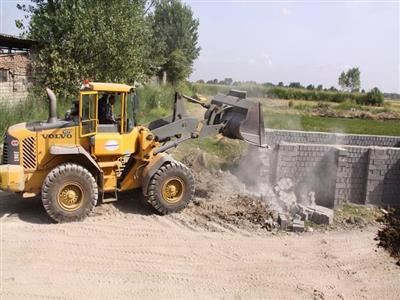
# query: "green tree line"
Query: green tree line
{"points": [[372, 97], [113, 41]]}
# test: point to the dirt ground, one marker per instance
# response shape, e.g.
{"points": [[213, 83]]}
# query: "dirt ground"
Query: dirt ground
{"points": [[126, 251]]}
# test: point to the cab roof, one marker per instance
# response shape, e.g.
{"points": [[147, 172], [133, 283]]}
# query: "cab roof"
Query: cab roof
{"points": [[109, 87]]}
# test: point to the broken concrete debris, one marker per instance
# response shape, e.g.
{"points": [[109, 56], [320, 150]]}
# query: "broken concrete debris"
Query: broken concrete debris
{"points": [[322, 215], [297, 225], [294, 211], [283, 221]]}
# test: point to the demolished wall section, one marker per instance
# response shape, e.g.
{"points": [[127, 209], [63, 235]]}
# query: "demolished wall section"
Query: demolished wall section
{"points": [[366, 170]]}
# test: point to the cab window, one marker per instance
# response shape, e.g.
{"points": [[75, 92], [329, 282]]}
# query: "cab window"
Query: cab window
{"points": [[88, 114], [110, 108], [130, 113]]}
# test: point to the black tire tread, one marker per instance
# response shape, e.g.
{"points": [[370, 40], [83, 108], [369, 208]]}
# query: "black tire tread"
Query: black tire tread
{"points": [[152, 197], [50, 180]]}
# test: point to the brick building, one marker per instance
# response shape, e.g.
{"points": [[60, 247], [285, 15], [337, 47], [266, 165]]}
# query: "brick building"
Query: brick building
{"points": [[15, 69]]}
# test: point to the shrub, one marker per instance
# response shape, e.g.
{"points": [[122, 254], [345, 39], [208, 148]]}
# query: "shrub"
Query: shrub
{"points": [[374, 97]]}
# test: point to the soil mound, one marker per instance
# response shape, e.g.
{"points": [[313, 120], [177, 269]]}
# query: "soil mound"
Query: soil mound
{"points": [[389, 235]]}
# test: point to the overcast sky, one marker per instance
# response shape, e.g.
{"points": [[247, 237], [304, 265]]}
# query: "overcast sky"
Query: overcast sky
{"points": [[306, 41]]}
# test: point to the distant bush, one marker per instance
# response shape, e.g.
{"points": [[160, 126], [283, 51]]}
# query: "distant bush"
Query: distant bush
{"points": [[373, 97]]}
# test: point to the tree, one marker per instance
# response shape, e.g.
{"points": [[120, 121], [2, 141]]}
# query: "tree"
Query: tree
{"points": [[105, 41], [226, 81], [201, 81], [310, 87], [354, 81], [177, 66], [333, 89], [214, 81], [350, 80], [320, 87], [375, 97], [176, 36], [295, 85], [343, 81], [280, 83]]}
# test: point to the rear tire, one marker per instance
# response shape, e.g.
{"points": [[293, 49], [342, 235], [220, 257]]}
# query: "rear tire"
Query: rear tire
{"points": [[69, 193], [171, 188]]}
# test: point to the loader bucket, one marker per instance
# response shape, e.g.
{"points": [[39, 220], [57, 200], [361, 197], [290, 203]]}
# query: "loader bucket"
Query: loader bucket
{"points": [[242, 118]]}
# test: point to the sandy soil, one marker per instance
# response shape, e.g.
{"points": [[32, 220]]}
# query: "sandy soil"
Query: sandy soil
{"points": [[125, 251]]}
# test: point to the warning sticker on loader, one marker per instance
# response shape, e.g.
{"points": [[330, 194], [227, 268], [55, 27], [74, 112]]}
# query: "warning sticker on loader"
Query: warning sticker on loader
{"points": [[111, 145]]}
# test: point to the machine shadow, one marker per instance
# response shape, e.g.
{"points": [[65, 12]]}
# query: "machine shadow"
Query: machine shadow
{"points": [[31, 210], [132, 202], [28, 210]]}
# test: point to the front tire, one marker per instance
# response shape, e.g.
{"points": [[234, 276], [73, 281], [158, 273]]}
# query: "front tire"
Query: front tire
{"points": [[69, 193], [171, 188]]}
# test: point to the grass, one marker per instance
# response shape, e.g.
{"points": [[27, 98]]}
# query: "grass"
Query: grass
{"points": [[157, 101], [277, 120], [33, 109], [348, 210], [221, 153]]}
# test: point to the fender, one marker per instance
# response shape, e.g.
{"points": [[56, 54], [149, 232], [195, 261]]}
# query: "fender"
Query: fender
{"points": [[63, 150], [156, 163], [79, 150]]}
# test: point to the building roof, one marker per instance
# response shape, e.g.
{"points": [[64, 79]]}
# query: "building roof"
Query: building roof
{"points": [[16, 43], [109, 87]]}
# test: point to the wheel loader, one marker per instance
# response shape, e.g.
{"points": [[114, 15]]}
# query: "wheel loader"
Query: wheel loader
{"points": [[76, 162]]}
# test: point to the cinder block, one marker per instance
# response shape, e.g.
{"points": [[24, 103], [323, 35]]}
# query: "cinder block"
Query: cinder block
{"points": [[298, 226], [283, 221], [322, 215]]}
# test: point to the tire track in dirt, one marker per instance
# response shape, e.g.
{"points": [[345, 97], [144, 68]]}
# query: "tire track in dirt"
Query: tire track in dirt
{"points": [[124, 252]]}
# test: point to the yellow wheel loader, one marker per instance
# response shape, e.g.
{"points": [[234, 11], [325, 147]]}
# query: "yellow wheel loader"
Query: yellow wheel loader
{"points": [[99, 149]]}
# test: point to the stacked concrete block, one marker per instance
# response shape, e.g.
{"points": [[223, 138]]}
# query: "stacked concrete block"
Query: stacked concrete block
{"points": [[391, 180], [275, 137], [375, 176], [351, 174]]}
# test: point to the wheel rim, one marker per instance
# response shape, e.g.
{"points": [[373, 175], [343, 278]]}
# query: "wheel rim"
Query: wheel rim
{"points": [[70, 196], [173, 189]]}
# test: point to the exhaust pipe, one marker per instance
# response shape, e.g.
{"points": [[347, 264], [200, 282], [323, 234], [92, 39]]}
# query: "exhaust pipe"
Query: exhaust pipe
{"points": [[52, 106]]}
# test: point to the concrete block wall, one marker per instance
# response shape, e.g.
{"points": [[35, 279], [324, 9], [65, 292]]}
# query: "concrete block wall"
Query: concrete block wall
{"points": [[383, 180], [312, 168], [352, 172], [274, 137]]}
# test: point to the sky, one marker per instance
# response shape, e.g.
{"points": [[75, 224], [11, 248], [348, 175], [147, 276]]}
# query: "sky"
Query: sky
{"points": [[289, 41]]}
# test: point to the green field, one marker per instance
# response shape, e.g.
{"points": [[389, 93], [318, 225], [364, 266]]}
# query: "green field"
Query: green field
{"points": [[279, 115], [277, 120]]}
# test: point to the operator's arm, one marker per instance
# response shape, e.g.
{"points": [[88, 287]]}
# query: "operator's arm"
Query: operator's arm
{"points": [[109, 115]]}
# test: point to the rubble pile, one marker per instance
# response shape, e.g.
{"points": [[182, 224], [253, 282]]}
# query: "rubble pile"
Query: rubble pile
{"points": [[389, 235], [226, 201], [223, 199], [240, 210], [294, 211]]}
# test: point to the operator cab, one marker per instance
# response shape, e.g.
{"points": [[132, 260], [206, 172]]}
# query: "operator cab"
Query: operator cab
{"points": [[106, 107]]}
